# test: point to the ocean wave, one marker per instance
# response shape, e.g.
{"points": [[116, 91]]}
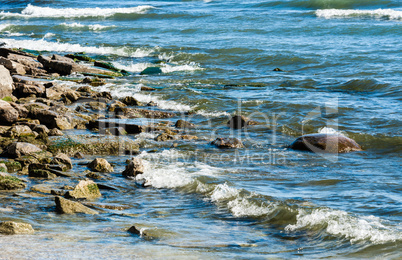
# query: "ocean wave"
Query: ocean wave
{"points": [[42, 45], [92, 27], [351, 13], [4, 26], [166, 68], [341, 223], [36, 12]]}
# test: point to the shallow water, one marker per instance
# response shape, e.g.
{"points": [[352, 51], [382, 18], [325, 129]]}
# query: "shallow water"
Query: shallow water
{"points": [[340, 63]]}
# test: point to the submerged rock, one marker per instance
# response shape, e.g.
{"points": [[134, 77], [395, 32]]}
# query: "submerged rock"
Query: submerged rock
{"points": [[228, 143], [151, 71], [66, 206], [325, 143], [131, 101], [100, 165], [85, 190], [135, 167], [164, 137], [12, 228], [238, 122], [184, 124]]}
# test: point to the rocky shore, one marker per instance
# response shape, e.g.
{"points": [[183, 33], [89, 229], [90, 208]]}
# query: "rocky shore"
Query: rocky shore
{"points": [[38, 117]]}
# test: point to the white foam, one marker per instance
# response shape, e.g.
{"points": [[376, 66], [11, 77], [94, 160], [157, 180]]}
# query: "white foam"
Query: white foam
{"points": [[42, 45], [223, 192], [212, 113], [48, 35], [340, 223], [93, 27], [133, 67], [4, 26], [36, 11], [164, 104], [329, 130], [378, 13], [242, 207], [166, 68]]}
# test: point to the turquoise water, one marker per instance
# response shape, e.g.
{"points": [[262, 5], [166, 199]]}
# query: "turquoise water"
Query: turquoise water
{"points": [[341, 72]]}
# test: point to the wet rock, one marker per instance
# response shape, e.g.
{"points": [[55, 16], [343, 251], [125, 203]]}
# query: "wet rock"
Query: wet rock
{"points": [[164, 137], [8, 182], [145, 88], [189, 137], [12, 166], [6, 82], [131, 101], [228, 143], [116, 104], [8, 114], [93, 175], [117, 131], [325, 143], [62, 158], [18, 149], [140, 113], [12, 228], [151, 104], [66, 206], [238, 122], [100, 165], [37, 170], [277, 69], [184, 124], [135, 167], [151, 71], [85, 89], [55, 132], [86, 189]]}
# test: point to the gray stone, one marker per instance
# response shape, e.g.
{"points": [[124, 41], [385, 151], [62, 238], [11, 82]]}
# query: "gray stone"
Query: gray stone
{"points": [[135, 167], [12, 228], [6, 82], [184, 124], [62, 158], [8, 114], [100, 165], [18, 149], [228, 143], [85, 189], [66, 206]]}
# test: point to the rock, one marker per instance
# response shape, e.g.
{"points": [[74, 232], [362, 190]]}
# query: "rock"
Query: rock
{"points": [[12, 228], [131, 101], [66, 206], [62, 58], [117, 131], [8, 114], [145, 88], [12, 66], [93, 175], [96, 106], [41, 129], [151, 71], [18, 149], [22, 111], [79, 155], [184, 124], [55, 132], [189, 137], [85, 89], [25, 90], [3, 168], [12, 166], [8, 182], [51, 119], [151, 104], [85, 190], [39, 173], [164, 137], [135, 167], [238, 122], [6, 82], [71, 96], [228, 143], [18, 130], [325, 143], [62, 158], [100, 165], [116, 104], [277, 69], [140, 113]]}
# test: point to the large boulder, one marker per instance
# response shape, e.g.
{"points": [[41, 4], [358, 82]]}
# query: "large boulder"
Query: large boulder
{"points": [[100, 165], [66, 206], [228, 143], [325, 143], [6, 82], [8, 114], [135, 167], [18, 130], [26, 90], [184, 124], [62, 158], [12, 228], [51, 119], [12, 66], [18, 149], [85, 189]]}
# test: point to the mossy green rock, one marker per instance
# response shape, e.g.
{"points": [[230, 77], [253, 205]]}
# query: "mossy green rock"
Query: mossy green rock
{"points": [[11, 183], [85, 190]]}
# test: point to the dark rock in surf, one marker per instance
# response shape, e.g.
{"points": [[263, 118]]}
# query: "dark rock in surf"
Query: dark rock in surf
{"points": [[151, 71], [184, 124], [325, 143], [238, 122], [135, 167], [227, 143]]}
